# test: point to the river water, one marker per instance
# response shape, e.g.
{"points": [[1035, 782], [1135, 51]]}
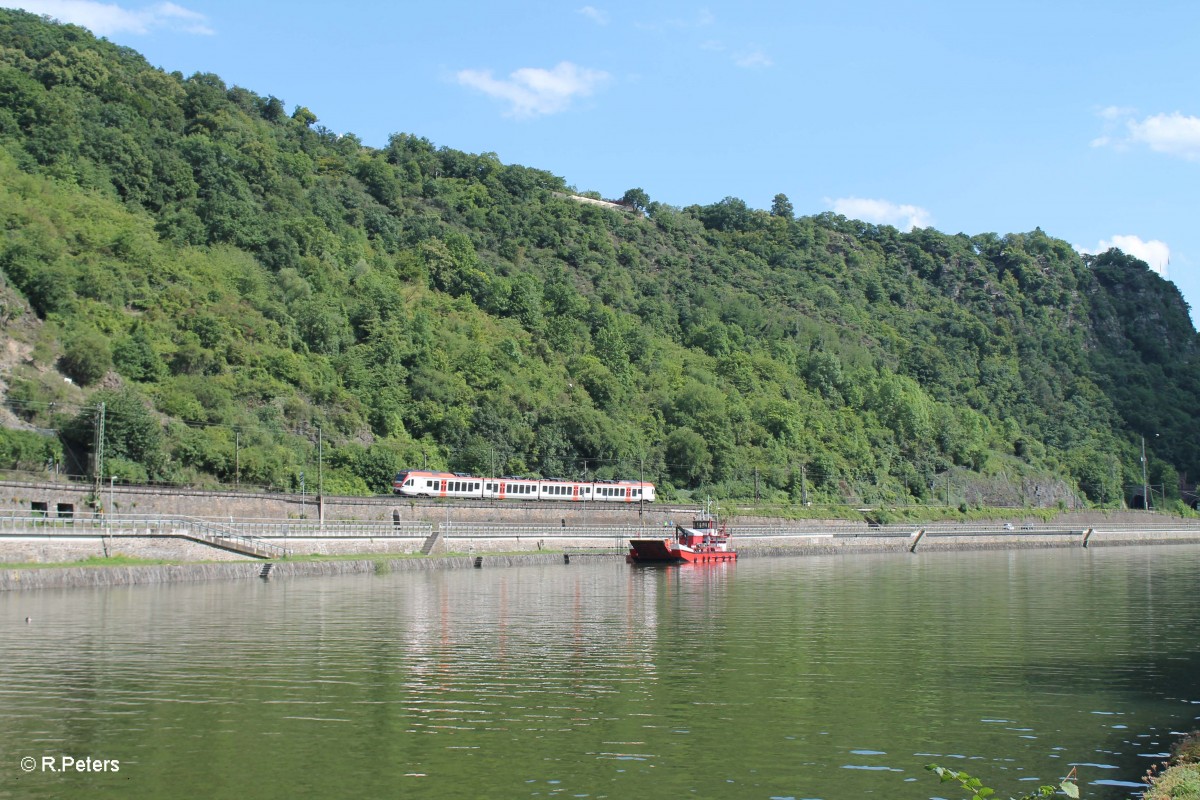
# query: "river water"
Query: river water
{"points": [[818, 677]]}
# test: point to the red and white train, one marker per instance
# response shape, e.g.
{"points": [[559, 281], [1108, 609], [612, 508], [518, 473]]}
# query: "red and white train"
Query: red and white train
{"points": [[418, 483]]}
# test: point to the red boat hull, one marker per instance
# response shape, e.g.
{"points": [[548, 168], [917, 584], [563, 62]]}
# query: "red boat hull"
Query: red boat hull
{"points": [[668, 551]]}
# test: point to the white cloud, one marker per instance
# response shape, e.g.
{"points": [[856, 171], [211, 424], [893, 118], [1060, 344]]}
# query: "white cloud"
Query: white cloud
{"points": [[531, 91], [1174, 134], [882, 212], [1155, 253], [1116, 113], [106, 19], [751, 59], [701, 19], [594, 14]]}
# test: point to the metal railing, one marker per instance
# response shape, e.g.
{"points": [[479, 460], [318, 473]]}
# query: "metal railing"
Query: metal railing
{"points": [[468, 530]]}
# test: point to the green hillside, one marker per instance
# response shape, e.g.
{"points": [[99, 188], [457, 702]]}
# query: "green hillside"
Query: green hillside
{"points": [[241, 287]]}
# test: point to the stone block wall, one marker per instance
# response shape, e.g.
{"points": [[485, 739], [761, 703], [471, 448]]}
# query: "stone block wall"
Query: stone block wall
{"points": [[56, 549], [76, 500]]}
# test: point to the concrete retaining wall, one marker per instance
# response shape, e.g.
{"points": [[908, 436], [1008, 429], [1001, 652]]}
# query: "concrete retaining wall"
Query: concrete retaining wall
{"points": [[52, 549], [58, 500], [749, 547], [80, 577]]}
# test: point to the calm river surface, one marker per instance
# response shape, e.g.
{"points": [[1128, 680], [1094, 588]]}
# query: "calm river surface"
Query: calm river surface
{"points": [[821, 677]]}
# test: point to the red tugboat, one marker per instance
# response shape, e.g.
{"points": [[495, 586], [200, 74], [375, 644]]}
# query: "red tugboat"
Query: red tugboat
{"points": [[703, 543]]}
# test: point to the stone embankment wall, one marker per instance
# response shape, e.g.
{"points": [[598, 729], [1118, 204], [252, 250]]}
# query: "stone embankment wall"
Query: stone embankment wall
{"points": [[51, 549], [748, 547], [63, 500], [57, 499], [82, 577]]}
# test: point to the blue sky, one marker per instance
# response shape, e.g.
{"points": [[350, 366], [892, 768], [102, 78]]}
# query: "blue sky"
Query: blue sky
{"points": [[1081, 118]]}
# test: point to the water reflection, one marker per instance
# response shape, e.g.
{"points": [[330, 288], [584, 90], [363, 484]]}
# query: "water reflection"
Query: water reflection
{"points": [[818, 677]]}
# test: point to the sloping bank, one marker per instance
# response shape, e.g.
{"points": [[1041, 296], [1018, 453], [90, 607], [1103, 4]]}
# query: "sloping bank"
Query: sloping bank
{"points": [[900, 541], [80, 577]]}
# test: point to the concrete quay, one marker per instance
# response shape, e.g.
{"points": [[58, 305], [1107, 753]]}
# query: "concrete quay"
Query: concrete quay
{"points": [[460, 545]]}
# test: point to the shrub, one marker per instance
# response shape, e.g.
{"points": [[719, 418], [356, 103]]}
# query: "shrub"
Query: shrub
{"points": [[86, 357]]}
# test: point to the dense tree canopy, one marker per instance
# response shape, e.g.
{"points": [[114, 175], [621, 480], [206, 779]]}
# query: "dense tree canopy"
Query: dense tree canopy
{"points": [[239, 284]]}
